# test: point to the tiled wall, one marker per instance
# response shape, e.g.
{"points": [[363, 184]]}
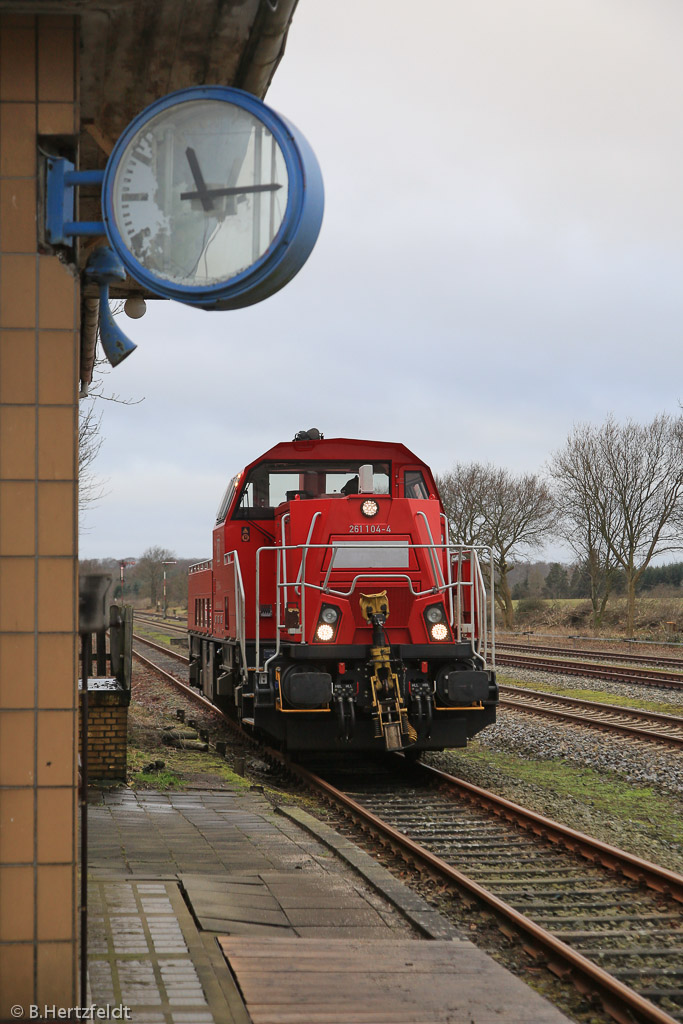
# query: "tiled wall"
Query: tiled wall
{"points": [[38, 532]]}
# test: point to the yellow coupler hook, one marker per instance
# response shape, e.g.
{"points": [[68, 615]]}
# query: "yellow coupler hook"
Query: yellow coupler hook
{"points": [[390, 715]]}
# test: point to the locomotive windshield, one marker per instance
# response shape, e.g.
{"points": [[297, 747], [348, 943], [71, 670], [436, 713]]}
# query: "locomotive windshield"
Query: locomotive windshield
{"points": [[271, 483]]}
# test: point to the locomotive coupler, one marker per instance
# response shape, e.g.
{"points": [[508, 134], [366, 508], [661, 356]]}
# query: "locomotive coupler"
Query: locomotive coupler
{"points": [[390, 715]]}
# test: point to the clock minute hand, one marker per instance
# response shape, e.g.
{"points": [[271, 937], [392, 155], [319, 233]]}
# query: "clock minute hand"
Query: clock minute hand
{"points": [[228, 191], [202, 192]]}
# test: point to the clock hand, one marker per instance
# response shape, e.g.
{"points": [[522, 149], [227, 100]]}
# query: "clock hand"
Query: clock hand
{"points": [[206, 193], [202, 191]]}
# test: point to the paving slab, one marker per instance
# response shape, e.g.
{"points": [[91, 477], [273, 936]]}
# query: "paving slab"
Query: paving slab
{"points": [[146, 953], [172, 875], [362, 982]]}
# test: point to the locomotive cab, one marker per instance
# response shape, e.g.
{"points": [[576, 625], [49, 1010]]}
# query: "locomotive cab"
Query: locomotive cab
{"points": [[335, 614]]}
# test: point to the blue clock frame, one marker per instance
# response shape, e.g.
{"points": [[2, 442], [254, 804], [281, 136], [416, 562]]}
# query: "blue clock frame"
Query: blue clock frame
{"points": [[294, 240]]}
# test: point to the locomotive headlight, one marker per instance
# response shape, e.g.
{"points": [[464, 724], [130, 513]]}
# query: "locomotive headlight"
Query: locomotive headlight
{"points": [[328, 623], [369, 508], [437, 623], [435, 613]]}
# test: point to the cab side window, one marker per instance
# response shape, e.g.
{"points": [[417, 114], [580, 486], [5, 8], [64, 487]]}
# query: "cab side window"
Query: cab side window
{"points": [[414, 485]]}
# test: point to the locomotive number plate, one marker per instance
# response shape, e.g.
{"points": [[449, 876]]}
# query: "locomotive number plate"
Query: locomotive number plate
{"points": [[369, 528]]}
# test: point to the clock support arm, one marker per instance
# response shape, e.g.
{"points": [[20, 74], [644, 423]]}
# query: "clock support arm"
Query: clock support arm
{"points": [[62, 181]]}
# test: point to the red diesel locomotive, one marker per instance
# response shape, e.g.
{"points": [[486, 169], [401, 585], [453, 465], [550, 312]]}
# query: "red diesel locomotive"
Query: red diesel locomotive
{"points": [[334, 614]]}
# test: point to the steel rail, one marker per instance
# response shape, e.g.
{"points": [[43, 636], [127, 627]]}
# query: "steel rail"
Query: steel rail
{"points": [[618, 999], [160, 647], [159, 626], [643, 659], [667, 680], [526, 704], [189, 691]]}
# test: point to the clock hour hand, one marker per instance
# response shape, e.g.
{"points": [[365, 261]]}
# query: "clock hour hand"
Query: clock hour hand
{"points": [[202, 192], [236, 190]]}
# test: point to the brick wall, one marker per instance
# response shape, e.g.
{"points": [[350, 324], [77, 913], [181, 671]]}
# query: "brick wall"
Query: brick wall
{"points": [[107, 735]]}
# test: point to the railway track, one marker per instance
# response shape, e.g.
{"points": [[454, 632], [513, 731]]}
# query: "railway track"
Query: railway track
{"points": [[614, 926], [602, 918], [591, 670], [172, 628], [629, 656], [644, 725]]}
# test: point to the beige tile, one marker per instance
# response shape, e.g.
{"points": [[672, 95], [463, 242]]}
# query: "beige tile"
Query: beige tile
{"points": [[17, 366], [57, 367], [17, 290], [56, 595], [56, 830], [17, 682], [17, 139], [17, 62], [57, 292], [56, 119], [18, 215], [56, 60], [17, 743], [57, 440], [56, 521], [57, 971], [17, 594], [17, 442], [56, 751], [16, 903], [55, 896], [16, 825], [57, 670], [16, 978], [17, 518]]}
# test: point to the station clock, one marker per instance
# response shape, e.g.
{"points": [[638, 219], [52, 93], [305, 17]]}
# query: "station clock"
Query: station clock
{"points": [[212, 199]]}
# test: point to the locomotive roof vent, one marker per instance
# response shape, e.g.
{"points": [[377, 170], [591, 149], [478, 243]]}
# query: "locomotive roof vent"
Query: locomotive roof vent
{"points": [[309, 435]]}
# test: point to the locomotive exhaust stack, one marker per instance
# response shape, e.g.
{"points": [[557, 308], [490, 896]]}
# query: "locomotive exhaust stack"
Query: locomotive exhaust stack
{"points": [[334, 614]]}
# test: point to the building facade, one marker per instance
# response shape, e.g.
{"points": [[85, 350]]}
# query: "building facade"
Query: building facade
{"points": [[73, 73]]}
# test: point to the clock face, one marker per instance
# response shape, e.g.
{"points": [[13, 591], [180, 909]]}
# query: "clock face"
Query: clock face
{"points": [[199, 193]]}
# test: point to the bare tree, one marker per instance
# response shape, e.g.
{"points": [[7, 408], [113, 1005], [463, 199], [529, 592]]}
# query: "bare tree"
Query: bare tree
{"points": [[150, 569], [622, 487], [492, 507], [89, 443], [581, 522], [90, 438]]}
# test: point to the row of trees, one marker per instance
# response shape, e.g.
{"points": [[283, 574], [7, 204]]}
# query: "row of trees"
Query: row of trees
{"points": [[143, 577], [556, 580], [613, 493]]}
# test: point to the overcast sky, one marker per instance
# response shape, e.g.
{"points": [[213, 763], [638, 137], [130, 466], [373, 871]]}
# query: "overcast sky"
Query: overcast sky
{"points": [[500, 258]]}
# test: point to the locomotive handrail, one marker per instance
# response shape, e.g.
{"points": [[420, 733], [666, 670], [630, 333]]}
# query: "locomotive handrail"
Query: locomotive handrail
{"points": [[432, 552], [300, 585], [240, 604], [285, 519]]}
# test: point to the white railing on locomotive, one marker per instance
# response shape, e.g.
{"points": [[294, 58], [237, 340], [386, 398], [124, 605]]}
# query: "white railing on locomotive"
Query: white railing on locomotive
{"points": [[301, 585], [233, 558], [469, 553], [200, 566]]}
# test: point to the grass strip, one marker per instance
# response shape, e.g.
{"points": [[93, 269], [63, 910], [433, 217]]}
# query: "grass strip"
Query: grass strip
{"points": [[601, 696], [608, 795]]}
